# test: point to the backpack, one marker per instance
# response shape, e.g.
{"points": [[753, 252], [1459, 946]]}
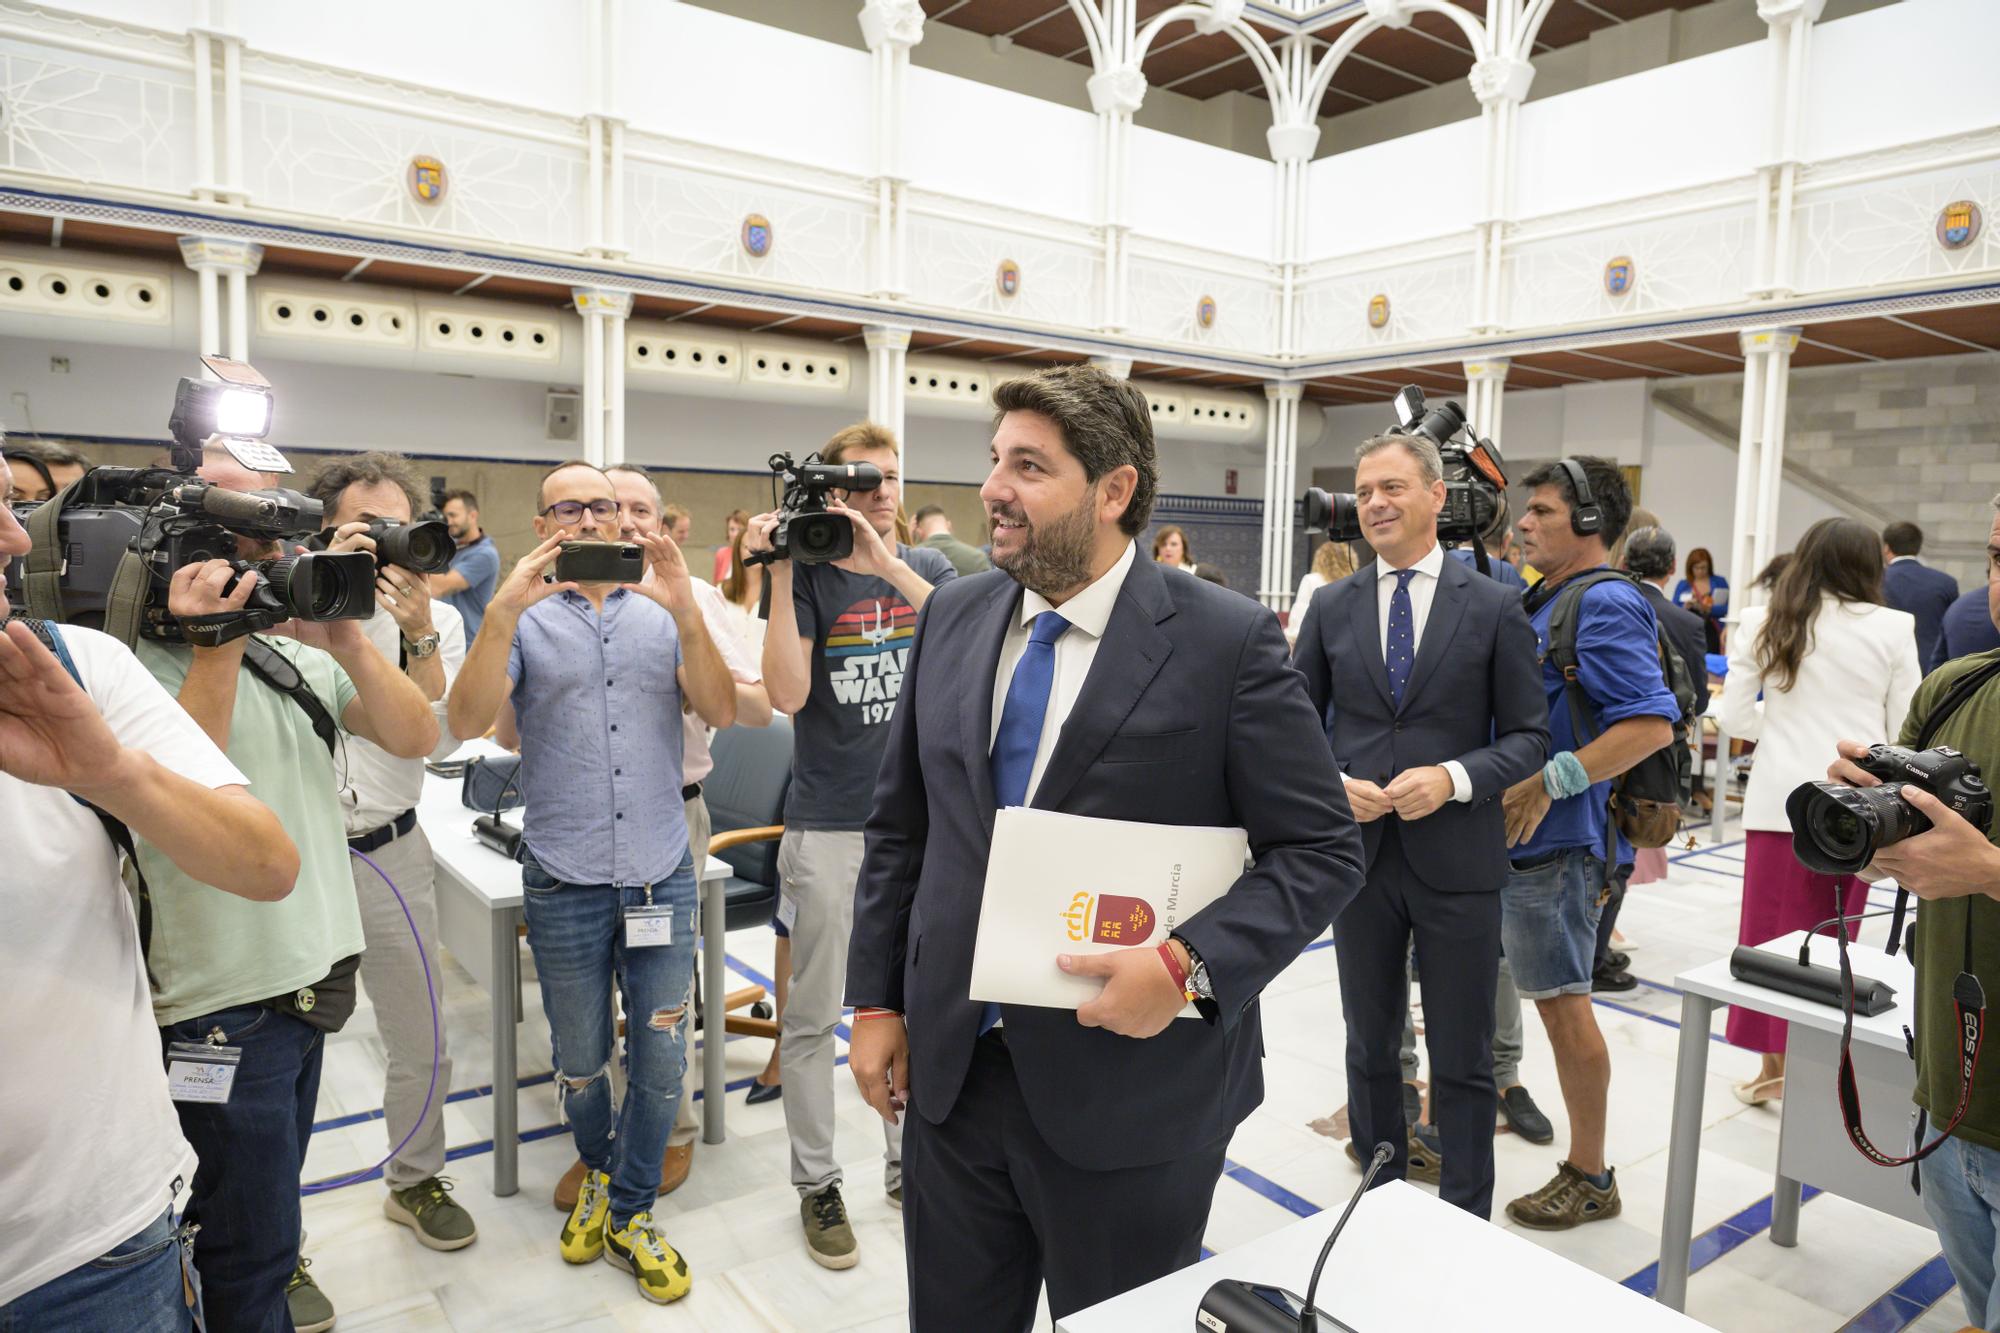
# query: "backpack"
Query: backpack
{"points": [[1647, 798]]}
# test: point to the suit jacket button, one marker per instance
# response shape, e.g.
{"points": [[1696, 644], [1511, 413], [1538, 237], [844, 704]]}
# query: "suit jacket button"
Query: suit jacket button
{"points": [[1399, 726]]}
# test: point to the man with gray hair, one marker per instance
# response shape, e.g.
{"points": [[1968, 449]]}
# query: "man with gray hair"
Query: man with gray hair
{"points": [[1649, 559]]}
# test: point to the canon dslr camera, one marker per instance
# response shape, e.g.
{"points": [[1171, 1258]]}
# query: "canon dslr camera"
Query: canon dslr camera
{"points": [[1837, 829], [808, 533]]}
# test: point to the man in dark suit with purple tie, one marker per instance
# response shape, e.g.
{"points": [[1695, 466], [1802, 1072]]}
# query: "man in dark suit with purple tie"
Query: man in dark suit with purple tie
{"points": [[1082, 1148]]}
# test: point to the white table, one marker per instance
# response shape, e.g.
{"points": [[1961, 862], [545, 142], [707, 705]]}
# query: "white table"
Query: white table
{"points": [[479, 920], [1812, 1143], [1497, 1281]]}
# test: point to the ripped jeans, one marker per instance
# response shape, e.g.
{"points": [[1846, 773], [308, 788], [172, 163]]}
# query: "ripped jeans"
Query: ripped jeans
{"points": [[577, 933]]}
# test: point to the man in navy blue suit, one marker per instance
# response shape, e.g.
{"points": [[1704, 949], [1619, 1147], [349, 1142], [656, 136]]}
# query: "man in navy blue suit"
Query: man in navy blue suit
{"points": [[1437, 708], [1082, 1147], [1968, 629], [1910, 585]]}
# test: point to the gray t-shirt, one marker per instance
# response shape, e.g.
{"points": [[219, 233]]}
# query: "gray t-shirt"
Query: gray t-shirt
{"points": [[861, 629]]}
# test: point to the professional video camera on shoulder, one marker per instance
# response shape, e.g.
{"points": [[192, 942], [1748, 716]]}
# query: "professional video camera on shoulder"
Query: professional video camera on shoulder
{"points": [[106, 547], [1475, 486], [808, 533]]}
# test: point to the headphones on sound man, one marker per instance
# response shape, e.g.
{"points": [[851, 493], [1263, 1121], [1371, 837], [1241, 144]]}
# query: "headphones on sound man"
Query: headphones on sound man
{"points": [[1585, 517]]}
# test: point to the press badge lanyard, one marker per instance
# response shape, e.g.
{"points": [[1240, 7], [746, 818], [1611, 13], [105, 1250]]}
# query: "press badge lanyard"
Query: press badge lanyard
{"points": [[649, 926], [202, 1071]]}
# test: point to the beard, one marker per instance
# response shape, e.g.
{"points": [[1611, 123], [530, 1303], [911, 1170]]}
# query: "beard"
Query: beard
{"points": [[1054, 556]]}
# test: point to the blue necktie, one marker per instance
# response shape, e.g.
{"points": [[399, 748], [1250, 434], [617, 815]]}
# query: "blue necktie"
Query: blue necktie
{"points": [[1013, 761], [1399, 654]]}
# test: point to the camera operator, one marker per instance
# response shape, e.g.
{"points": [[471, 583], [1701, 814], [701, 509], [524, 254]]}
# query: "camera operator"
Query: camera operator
{"points": [[1954, 870], [588, 679], [1432, 737], [85, 1102], [1564, 847], [834, 654], [378, 798], [266, 982]]}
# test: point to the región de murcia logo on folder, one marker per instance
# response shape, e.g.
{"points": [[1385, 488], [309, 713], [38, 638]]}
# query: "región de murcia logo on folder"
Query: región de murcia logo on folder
{"points": [[1119, 919]]}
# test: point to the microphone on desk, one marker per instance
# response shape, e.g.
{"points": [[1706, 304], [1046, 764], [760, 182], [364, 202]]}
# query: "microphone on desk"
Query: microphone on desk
{"points": [[1812, 981], [1255, 1307]]}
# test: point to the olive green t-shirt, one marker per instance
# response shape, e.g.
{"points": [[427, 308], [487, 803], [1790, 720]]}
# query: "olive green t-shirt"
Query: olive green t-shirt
{"points": [[1974, 731], [212, 950]]}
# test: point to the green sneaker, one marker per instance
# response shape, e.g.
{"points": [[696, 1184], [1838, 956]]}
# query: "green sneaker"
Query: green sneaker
{"points": [[428, 1209], [829, 1239], [311, 1311], [640, 1249], [583, 1233]]}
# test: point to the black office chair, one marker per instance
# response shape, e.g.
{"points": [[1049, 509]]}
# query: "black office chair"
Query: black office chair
{"points": [[746, 808]]}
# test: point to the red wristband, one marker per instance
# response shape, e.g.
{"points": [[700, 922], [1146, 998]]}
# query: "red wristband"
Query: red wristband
{"points": [[1174, 968]]}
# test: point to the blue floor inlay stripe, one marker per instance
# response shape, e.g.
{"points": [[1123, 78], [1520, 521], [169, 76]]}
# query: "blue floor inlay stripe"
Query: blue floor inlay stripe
{"points": [[1715, 1242], [463, 1094], [1906, 1302]]}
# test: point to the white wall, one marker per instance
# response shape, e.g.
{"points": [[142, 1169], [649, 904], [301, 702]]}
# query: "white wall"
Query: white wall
{"points": [[1409, 189], [1912, 71], [1189, 192], [981, 142]]}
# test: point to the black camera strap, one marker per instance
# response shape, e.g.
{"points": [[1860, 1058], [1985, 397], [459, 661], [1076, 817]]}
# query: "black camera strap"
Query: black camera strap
{"points": [[1968, 997], [276, 670]]}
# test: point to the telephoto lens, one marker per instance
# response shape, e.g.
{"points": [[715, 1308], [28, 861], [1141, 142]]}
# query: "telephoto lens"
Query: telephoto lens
{"points": [[426, 547], [316, 585]]}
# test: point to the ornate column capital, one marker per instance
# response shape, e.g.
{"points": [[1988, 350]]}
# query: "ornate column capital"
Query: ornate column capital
{"points": [[1493, 369], [1221, 13], [1755, 341], [886, 338], [1501, 79], [1121, 88], [1779, 12], [221, 254], [602, 301], [1285, 391], [892, 23], [1292, 143], [1391, 13]]}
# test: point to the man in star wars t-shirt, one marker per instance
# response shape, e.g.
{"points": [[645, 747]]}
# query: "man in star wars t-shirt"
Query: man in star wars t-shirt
{"points": [[834, 655]]}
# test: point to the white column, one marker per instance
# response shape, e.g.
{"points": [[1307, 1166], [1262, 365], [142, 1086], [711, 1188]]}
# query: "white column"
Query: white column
{"points": [[1117, 367], [1281, 449], [204, 115], [888, 347], [890, 28], [1293, 139], [212, 258], [1787, 46], [232, 119], [1486, 382], [1501, 84], [1115, 94], [603, 407], [1767, 357]]}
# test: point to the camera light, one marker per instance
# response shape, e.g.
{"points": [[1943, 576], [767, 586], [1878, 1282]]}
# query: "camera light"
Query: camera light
{"points": [[243, 413]]}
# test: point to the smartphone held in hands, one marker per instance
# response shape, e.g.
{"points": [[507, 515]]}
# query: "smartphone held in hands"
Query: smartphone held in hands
{"points": [[600, 562]]}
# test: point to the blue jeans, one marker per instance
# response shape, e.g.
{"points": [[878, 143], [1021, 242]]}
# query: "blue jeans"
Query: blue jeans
{"points": [[1962, 1194], [1548, 922], [134, 1286], [245, 1194], [577, 933]]}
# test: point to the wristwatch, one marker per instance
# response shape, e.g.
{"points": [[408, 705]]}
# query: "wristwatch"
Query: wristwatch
{"points": [[424, 647], [1198, 981]]}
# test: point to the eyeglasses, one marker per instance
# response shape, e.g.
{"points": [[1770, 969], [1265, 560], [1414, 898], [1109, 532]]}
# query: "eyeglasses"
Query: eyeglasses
{"points": [[567, 512]]}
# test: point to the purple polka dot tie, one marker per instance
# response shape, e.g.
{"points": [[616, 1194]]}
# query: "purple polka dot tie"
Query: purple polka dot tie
{"points": [[1400, 653]]}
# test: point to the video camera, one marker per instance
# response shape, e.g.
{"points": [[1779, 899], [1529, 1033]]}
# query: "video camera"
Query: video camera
{"points": [[808, 532], [1475, 486], [106, 548]]}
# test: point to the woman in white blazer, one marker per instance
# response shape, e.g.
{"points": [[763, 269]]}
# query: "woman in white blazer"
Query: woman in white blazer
{"points": [[1830, 661]]}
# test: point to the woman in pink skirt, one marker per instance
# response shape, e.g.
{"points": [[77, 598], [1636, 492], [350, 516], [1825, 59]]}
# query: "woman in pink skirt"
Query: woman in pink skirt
{"points": [[1829, 660]]}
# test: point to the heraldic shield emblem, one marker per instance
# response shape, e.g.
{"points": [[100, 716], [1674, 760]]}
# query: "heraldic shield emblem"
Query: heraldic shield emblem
{"points": [[1008, 278], [1378, 311], [1958, 224], [757, 235], [1619, 276], [426, 179], [1109, 918]]}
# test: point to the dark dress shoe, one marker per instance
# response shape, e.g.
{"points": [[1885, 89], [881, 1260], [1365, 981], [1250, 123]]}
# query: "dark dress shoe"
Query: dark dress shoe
{"points": [[1413, 1103], [763, 1092], [1616, 960], [1609, 980], [1524, 1117]]}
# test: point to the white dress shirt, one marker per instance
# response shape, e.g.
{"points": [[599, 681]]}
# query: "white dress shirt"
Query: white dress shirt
{"points": [[696, 760], [376, 786], [1423, 591], [1087, 613]]}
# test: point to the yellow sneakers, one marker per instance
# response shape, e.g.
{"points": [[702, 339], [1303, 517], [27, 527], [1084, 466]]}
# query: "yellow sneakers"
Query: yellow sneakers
{"points": [[583, 1234], [639, 1249]]}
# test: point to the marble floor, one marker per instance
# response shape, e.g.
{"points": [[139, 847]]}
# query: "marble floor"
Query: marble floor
{"points": [[736, 1219]]}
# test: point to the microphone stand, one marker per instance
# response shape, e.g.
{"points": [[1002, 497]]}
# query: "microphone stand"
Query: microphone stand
{"points": [[1309, 1320]]}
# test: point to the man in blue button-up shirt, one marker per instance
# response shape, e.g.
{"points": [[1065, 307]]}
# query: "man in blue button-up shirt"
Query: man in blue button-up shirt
{"points": [[587, 680]]}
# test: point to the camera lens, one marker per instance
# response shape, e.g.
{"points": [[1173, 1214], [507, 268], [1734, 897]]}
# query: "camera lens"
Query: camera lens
{"points": [[424, 547], [322, 586], [818, 538], [1838, 831]]}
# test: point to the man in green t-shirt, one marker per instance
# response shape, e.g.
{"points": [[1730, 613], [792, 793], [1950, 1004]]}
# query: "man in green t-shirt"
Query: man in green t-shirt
{"points": [[1955, 871], [265, 980]]}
